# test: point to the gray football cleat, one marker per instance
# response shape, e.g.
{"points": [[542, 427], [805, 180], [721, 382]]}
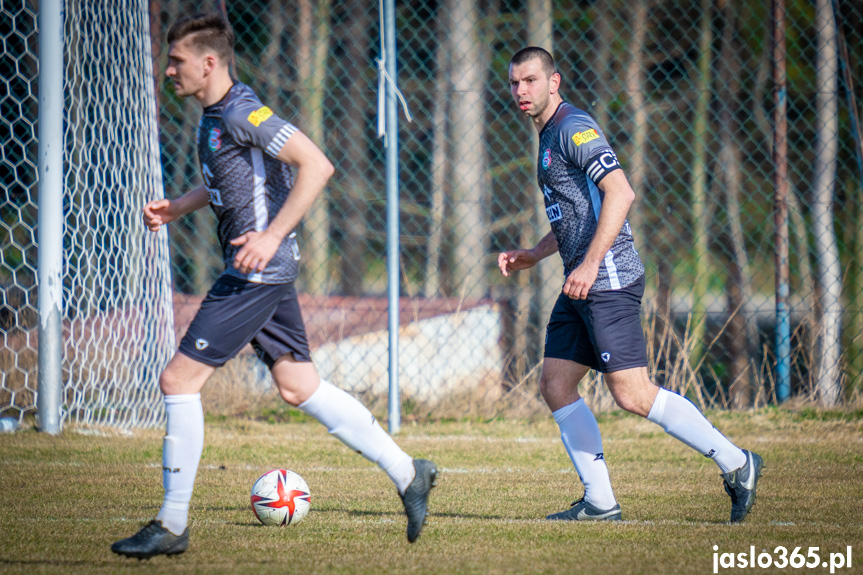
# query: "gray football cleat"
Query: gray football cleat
{"points": [[740, 485], [581, 510], [152, 540], [416, 496]]}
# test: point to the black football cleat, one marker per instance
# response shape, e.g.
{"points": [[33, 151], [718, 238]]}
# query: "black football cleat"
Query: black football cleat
{"points": [[581, 510], [740, 485], [416, 496], [152, 540]]}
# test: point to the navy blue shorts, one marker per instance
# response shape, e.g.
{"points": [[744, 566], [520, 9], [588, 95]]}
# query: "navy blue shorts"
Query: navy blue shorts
{"points": [[602, 332], [237, 312]]}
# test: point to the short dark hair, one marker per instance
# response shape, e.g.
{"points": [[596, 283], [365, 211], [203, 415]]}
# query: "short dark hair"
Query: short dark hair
{"points": [[531, 52], [207, 30]]}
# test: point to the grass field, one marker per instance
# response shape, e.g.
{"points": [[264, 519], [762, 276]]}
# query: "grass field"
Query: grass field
{"points": [[65, 499]]}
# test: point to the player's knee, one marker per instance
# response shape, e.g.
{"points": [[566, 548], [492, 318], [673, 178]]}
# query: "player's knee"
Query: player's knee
{"points": [[169, 383], [625, 403], [630, 403], [553, 388], [291, 396], [296, 392], [545, 385]]}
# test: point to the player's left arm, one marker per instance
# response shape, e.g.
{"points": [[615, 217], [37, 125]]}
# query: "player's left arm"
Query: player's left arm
{"points": [[585, 146], [313, 170], [618, 197]]}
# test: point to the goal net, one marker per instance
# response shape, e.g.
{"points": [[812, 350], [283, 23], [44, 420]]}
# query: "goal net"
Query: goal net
{"points": [[118, 317]]}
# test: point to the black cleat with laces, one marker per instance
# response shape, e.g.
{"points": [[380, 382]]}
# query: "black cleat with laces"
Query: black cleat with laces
{"points": [[581, 510], [416, 496], [740, 485], [152, 540]]}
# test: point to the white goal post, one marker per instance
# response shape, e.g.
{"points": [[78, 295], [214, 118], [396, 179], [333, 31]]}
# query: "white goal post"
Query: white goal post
{"points": [[116, 305]]}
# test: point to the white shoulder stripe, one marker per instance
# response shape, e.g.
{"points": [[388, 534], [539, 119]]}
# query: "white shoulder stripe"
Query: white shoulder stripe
{"points": [[275, 145]]}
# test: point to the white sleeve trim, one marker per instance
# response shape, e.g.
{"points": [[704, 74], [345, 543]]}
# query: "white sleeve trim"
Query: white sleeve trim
{"points": [[280, 138]]}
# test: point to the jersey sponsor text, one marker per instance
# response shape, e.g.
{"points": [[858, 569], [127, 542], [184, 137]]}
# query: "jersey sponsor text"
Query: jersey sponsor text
{"points": [[584, 137], [259, 116]]}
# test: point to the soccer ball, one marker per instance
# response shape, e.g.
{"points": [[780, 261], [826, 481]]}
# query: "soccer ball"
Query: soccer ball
{"points": [[280, 497]]}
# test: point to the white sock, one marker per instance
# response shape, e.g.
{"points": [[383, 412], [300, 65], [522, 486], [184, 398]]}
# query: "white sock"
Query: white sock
{"points": [[681, 419], [580, 434], [181, 453], [356, 427]]}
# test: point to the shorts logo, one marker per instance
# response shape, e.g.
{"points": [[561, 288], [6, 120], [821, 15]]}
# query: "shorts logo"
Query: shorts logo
{"points": [[202, 344], [553, 212], [600, 457], [546, 158], [215, 139], [259, 116], [584, 137], [605, 356]]}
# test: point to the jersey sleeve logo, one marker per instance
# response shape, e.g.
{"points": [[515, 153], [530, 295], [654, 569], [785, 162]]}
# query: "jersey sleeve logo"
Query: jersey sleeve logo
{"points": [[584, 137], [259, 116]]}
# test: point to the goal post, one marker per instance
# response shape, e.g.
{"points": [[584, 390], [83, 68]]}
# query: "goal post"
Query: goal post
{"points": [[50, 263], [117, 315]]}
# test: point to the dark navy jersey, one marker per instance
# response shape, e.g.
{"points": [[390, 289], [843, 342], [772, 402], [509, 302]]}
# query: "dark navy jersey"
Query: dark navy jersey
{"points": [[574, 157], [238, 139]]}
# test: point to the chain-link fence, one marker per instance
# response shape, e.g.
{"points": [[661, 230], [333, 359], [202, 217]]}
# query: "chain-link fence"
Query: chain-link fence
{"points": [[685, 93]]}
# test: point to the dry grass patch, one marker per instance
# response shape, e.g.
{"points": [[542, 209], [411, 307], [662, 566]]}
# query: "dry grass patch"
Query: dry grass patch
{"points": [[65, 499]]}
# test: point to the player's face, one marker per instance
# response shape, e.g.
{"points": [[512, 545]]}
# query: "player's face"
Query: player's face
{"points": [[186, 68], [531, 88]]}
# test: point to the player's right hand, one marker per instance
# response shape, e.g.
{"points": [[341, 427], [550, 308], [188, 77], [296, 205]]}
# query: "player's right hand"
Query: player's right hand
{"points": [[156, 213], [515, 260]]}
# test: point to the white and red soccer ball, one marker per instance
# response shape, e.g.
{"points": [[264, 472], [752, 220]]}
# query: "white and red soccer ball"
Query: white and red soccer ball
{"points": [[280, 497]]}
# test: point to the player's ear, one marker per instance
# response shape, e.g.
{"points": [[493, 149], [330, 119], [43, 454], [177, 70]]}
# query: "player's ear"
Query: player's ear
{"points": [[209, 64], [554, 83]]}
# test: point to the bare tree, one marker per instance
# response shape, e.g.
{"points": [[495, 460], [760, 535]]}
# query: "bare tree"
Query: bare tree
{"points": [[440, 152], [827, 251], [468, 152], [355, 40], [635, 89], [313, 42], [272, 63], [698, 184], [742, 331], [600, 61]]}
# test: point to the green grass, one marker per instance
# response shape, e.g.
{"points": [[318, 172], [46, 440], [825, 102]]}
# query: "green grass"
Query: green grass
{"points": [[66, 498]]}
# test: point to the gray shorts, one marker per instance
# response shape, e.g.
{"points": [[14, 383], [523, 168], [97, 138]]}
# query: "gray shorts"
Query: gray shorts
{"points": [[602, 332], [237, 312]]}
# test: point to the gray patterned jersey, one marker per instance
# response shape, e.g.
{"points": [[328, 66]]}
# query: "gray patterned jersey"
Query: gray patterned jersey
{"points": [[237, 140], [574, 156]]}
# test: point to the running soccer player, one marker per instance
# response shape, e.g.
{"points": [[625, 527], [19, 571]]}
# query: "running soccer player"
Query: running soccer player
{"points": [[595, 322], [260, 175]]}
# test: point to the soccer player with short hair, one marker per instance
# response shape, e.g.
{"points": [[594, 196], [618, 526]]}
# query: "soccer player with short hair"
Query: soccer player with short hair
{"points": [[261, 175], [595, 323]]}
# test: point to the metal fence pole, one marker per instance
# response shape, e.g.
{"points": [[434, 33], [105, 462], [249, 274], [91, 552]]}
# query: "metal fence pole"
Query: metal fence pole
{"points": [[780, 205], [50, 235], [392, 183]]}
